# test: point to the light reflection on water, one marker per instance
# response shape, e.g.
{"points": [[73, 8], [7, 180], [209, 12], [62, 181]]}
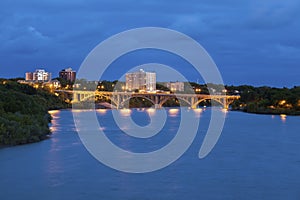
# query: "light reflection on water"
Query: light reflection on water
{"points": [[55, 114], [151, 111], [225, 110], [198, 112], [101, 111], [173, 112], [81, 110], [125, 112], [252, 160], [283, 118]]}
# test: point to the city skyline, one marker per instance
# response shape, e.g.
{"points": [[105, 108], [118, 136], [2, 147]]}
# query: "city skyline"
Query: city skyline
{"points": [[251, 42], [160, 78]]}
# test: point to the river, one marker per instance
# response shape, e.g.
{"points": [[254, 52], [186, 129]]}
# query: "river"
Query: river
{"points": [[256, 157]]}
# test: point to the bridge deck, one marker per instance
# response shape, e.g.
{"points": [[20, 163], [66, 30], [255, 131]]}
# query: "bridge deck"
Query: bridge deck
{"points": [[158, 99]]}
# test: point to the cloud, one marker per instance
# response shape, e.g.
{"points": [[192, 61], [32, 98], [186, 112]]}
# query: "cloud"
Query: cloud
{"points": [[273, 14], [36, 33], [22, 39], [238, 34]]}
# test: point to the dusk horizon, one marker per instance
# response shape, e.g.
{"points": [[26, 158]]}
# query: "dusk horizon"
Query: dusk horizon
{"points": [[159, 79], [252, 42]]}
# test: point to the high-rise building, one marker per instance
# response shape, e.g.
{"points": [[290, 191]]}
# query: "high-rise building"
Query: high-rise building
{"points": [[141, 80], [175, 86], [40, 75], [68, 74], [29, 76]]}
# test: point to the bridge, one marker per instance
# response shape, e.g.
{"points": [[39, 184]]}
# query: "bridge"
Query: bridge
{"points": [[121, 99]]}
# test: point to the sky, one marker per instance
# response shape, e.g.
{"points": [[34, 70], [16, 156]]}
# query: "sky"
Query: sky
{"points": [[251, 41]]}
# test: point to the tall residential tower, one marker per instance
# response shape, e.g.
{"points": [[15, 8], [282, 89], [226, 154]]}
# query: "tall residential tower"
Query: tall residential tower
{"points": [[68, 74], [141, 80], [40, 75]]}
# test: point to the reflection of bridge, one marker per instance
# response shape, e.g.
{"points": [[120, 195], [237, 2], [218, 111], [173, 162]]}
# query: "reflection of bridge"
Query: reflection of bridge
{"points": [[119, 99]]}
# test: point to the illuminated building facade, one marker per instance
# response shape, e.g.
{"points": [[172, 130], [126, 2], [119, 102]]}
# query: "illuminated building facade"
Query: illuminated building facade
{"points": [[68, 74], [141, 80], [40, 75], [175, 86]]}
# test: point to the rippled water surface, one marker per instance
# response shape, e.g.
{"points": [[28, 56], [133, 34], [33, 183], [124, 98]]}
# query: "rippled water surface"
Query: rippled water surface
{"points": [[256, 157]]}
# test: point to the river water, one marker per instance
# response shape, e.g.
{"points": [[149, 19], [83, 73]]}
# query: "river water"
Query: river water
{"points": [[256, 157]]}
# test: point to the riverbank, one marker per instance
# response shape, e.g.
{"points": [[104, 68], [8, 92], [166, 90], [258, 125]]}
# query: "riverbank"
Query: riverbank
{"points": [[269, 112], [267, 100], [24, 116], [275, 113]]}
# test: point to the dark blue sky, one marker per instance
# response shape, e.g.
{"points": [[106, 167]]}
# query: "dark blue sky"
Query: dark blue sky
{"points": [[252, 41]]}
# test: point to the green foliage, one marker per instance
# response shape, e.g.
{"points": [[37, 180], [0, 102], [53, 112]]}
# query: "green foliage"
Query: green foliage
{"points": [[160, 86], [24, 114], [266, 99], [139, 103], [111, 86]]}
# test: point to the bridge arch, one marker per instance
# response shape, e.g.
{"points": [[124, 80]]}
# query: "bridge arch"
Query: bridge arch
{"points": [[212, 99], [113, 101], [120, 98], [87, 97], [173, 97], [136, 96]]}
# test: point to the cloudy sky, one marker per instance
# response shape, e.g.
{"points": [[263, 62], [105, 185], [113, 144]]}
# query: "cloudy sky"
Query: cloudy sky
{"points": [[252, 41]]}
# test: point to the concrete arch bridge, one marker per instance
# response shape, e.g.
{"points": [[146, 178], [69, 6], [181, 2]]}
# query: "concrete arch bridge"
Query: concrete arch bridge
{"points": [[119, 99]]}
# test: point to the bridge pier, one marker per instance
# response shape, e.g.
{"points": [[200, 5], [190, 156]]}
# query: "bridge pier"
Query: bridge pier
{"points": [[225, 103], [75, 98], [157, 106], [226, 106], [194, 106]]}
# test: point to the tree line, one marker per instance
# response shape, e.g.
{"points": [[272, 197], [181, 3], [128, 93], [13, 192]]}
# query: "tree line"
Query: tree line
{"points": [[267, 100], [263, 100], [24, 114]]}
